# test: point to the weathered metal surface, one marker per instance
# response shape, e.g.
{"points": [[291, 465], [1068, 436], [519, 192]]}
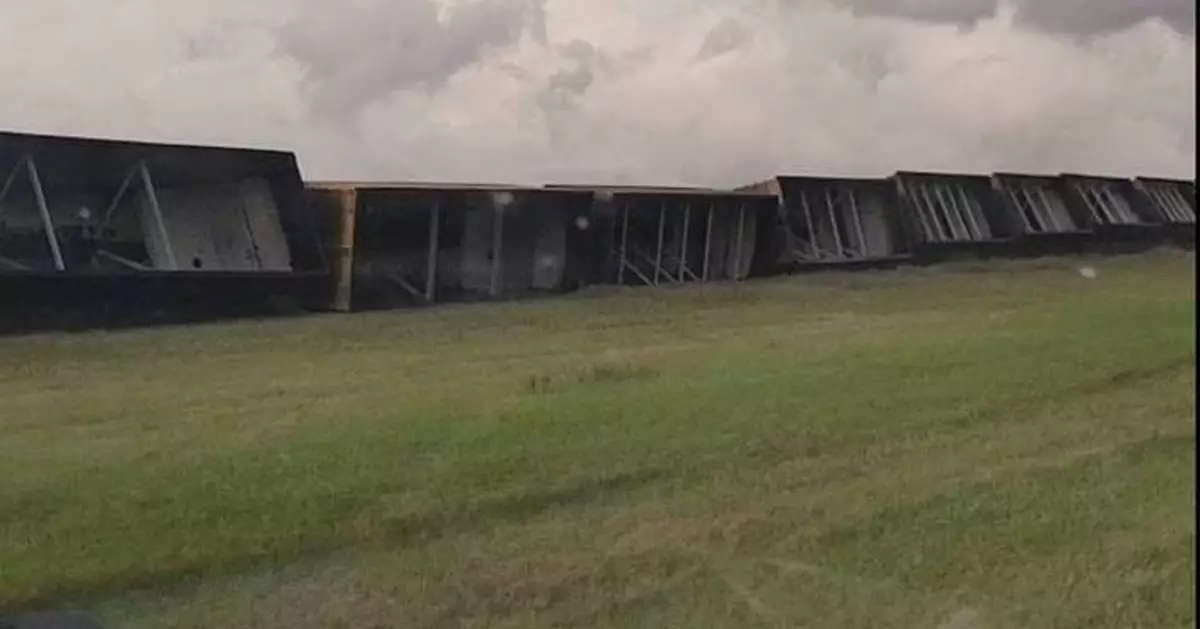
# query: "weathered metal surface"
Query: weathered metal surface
{"points": [[1111, 202], [1040, 204], [661, 236], [105, 230], [105, 206], [837, 220], [951, 209], [1174, 199], [421, 244]]}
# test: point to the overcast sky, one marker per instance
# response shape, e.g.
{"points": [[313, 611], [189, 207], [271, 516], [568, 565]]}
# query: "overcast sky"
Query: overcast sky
{"points": [[716, 92]]}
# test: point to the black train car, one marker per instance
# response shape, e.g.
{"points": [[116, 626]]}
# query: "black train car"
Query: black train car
{"points": [[101, 232]]}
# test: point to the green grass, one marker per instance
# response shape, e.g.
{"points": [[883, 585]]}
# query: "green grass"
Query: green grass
{"points": [[1000, 445]]}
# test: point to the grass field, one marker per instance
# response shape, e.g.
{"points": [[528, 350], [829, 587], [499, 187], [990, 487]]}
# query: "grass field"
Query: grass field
{"points": [[1000, 445]]}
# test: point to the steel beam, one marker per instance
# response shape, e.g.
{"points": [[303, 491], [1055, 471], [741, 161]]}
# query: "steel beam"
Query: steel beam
{"points": [[662, 227], [833, 223], [431, 264], [152, 197], [939, 232], [856, 214], [39, 196], [116, 200], [1011, 192], [967, 213], [954, 214], [624, 244], [741, 237], [347, 210], [812, 230], [497, 250], [708, 228], [683, 245]]}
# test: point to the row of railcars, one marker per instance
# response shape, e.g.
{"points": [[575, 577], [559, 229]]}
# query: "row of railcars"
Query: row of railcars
{"points": [[101, 231]]}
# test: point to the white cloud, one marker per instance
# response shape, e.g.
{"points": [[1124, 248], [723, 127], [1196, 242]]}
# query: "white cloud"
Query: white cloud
{"points": [[673, 91]]}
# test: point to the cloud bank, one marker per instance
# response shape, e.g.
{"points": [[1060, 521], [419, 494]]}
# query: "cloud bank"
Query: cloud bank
{"points": [[713, 92]]}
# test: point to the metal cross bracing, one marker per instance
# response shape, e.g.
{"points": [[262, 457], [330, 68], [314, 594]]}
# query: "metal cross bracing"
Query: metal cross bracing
{"points": [[673, 234], [26, 163], [420, 283], [159, 248], [1040, 207], [1170, 201], [833, 226], [1106, 205], [948, 211]]}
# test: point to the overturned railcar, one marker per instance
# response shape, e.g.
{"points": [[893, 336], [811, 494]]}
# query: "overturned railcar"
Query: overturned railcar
{"points": [[1174, 200], [408, 244], [655, 236], [1115, 209], [1048, 219], [103, 231], [837, 222], [951, 213]]}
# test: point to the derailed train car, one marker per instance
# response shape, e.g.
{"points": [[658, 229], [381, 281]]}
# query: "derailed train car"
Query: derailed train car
{"points": [[661, 235], [826, 222], [110, 231], [403, 244]]}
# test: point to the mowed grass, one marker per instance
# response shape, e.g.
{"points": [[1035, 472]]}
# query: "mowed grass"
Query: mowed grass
{"points": [[977, 445]]}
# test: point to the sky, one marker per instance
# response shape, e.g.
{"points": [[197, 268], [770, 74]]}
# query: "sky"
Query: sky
{"points": [[662, 92]]}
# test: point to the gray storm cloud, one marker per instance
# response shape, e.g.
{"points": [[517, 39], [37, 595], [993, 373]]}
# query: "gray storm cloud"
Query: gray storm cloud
{"points": [[1080, 17], [362, 50], [717, 92]]}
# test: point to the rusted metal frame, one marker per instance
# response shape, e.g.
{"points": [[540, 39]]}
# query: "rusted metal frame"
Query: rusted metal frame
{"points": [[708, 229], [856, 215], [431, 263], [39, 196], [741, 237], [831, 210], [812, 232], [497, 278]]}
